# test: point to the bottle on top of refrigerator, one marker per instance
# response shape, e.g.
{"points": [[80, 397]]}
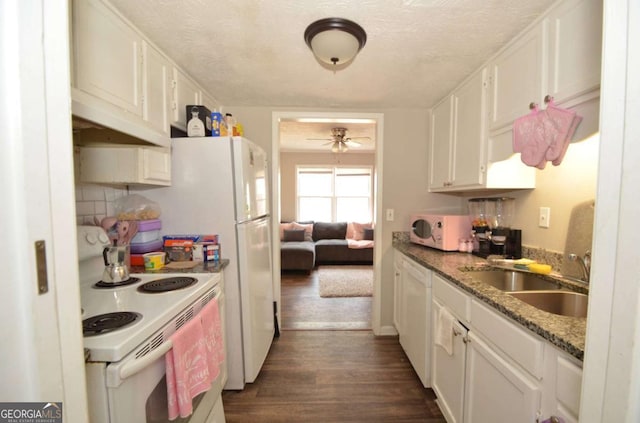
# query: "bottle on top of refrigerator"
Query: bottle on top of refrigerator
{"points": [[195, 126], [231, 124]]}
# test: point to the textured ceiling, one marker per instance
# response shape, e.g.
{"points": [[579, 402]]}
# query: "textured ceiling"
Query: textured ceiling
{"points": [[252, 52], [305, 136]]}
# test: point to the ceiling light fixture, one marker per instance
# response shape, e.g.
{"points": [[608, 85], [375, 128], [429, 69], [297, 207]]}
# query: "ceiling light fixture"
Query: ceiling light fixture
{"points": [[339, 147], [335, 41]]}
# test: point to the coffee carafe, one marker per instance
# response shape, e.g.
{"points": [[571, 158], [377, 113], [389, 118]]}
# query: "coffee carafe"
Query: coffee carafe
{"points": [[116, 262], [491, 227], [481, 211], [505, 241]]}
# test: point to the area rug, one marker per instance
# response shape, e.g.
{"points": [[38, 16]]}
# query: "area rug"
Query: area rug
{"points": [[345, 281]]}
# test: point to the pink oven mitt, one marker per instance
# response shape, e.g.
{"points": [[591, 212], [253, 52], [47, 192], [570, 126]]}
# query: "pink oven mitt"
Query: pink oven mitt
{"points": [[529, 138], [560, 126]]}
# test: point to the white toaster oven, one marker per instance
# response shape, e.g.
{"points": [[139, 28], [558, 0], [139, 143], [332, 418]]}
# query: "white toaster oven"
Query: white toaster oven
{"points": [[439, 231]]}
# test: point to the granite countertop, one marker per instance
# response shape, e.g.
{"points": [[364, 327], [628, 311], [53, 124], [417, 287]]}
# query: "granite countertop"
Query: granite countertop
{"points": [[201, 267], [567, 333]]}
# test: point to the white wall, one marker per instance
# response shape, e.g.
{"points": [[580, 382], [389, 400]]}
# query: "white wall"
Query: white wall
{"points": [[559, 188], [404, 177]]}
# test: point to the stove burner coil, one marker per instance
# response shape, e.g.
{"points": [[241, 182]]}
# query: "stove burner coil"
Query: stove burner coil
{"points": [[167, 284], [108, 322], [103, 284]]}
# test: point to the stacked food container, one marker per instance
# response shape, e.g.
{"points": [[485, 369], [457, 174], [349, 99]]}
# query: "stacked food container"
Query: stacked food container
{"points": [[147, 240]]}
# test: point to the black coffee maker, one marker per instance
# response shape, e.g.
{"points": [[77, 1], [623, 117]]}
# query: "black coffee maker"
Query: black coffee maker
{"points": [[491, 230]]}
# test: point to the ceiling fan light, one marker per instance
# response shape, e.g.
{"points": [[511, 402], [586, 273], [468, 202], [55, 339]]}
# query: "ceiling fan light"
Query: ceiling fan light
{"points": [[335, 41], [339, 147]]}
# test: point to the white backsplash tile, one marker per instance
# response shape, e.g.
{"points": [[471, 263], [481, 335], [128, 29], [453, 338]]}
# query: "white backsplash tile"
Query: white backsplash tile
{"points": [[93, 193], [85, 208], [94, 202]]}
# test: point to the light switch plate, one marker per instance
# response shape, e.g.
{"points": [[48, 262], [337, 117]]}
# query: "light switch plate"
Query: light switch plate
{"points": [[389, 215], [544, 217]]}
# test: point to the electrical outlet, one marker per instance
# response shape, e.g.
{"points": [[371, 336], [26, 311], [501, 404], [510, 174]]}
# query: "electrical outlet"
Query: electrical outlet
{"points": [[389, 215], [544, 217]]}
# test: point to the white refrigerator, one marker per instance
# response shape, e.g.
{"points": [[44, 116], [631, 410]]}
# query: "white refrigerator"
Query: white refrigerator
{"points": [[219, 185]]}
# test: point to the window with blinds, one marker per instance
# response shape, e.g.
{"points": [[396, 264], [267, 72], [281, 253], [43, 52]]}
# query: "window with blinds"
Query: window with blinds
{"points": [[334, 194]]}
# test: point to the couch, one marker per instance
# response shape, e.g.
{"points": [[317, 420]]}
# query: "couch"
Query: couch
{"points": [[305, 245]]}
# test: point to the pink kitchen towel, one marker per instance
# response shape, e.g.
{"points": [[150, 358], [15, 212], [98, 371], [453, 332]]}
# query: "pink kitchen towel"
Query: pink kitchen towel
{"points": [[187, 368], [212, 330]]}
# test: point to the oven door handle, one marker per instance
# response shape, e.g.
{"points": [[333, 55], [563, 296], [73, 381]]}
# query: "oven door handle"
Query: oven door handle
{"points": [[134, 366]]}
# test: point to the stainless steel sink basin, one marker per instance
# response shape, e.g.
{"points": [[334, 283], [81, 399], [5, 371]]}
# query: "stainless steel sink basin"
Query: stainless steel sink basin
{"points": [[509, 280], [564, 303]]}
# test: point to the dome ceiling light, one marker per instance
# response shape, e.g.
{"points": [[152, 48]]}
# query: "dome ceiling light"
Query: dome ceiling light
{"points": [[335, 41]]}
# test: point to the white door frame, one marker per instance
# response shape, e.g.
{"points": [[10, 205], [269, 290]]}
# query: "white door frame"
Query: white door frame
{"points": [[277, 117], [611, 378], [42, 353]]}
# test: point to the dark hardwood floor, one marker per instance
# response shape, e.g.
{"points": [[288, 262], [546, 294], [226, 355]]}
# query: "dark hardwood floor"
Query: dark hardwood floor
{"points": [[331, 375], [304, 309]]}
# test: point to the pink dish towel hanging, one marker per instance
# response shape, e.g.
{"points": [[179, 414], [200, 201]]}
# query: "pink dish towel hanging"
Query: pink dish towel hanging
{"points": [[187, 368], [529, 138], [212, 330]]}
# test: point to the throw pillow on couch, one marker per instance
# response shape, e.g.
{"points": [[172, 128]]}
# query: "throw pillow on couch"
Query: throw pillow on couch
{"points": [[293, 235], [356, 230]]}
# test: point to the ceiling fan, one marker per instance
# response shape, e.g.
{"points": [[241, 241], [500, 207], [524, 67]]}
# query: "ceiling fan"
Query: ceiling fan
{"points": [[338, 141]]}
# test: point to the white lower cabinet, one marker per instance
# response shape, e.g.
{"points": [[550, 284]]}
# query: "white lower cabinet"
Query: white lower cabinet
{"points": [[497, 371], [564, 376], [496, 390], [416, 317], [397, 291], [448, 371]]}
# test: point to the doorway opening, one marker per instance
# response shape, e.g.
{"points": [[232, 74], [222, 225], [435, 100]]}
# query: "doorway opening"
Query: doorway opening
{"points": [[307, 140]]}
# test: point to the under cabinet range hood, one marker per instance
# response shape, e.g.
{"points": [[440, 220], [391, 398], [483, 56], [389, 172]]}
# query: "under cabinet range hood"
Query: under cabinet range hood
{"points": [[88, 114], [86, 133]]}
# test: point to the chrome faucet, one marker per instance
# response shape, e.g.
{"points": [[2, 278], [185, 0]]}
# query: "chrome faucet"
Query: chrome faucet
{"points": [[584, 262]]}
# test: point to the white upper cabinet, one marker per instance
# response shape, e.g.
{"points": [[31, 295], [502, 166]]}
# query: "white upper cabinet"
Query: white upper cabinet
{"points": [[517, 78], [121, 81], [469, 135], [125, 165], [441, 139], [184, 92], [106, 56], [575, 50], [155, 77], [461, 154], [559, 56], [458, 137]]}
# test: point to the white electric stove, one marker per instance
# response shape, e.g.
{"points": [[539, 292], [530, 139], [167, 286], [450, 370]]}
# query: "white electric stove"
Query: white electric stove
{"points": [[126, 331]]}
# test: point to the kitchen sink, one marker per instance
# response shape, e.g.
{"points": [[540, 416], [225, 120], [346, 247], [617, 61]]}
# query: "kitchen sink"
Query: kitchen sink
{"points": [[510, 280], [564, 303]]}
